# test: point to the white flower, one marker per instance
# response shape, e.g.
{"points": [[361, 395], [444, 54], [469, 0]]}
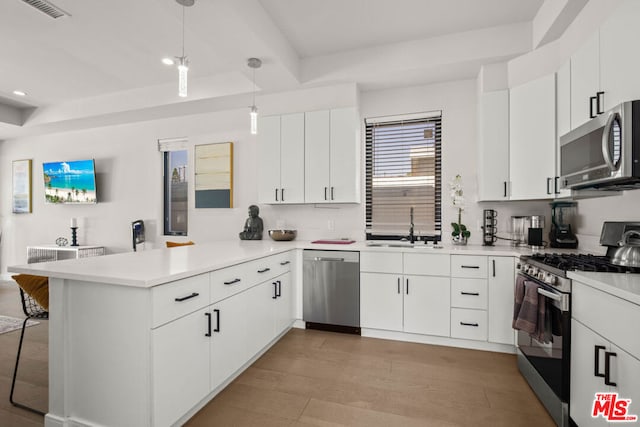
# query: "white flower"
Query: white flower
{"points": [[456, 192]]}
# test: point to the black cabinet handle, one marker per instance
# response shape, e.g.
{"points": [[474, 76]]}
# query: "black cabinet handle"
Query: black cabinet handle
{"points": [[398, 285], [217, 312], [470, 266], [548, 188], [282, 194], [275, 290], [407, 286], [600, 102], [331, 193], [470, 293], [494, 267], [279, 294], [505, 188], [264, 270], [607, 365], [285, 262], [276, 194], [591, 99], [208, 334], [193, 295], [469, 324], [325, 193], [596, 360], [232, 282]]}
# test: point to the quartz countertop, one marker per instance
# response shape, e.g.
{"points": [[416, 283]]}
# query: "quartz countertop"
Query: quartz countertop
{"points": [[622, 285], [154, 267]]}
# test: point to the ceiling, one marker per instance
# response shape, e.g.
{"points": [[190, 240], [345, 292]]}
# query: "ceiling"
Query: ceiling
{"points": [[105, 57]]}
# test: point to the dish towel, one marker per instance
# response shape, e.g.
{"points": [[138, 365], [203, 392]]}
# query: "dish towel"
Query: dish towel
{"points": [[529, 315], [518, 297]]}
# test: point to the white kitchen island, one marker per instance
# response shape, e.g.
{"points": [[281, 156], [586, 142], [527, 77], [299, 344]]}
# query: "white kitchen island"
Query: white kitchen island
{"points": [[148, 338]]}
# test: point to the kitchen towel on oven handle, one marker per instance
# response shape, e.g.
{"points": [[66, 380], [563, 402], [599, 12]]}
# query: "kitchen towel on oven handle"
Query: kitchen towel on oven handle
{"points": [[530, 312]]}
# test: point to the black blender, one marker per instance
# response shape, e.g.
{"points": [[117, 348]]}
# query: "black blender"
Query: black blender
{"points": [[561, 234]]}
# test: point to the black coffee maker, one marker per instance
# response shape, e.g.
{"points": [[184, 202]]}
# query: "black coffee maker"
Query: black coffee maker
{"points": [[561, 234]]}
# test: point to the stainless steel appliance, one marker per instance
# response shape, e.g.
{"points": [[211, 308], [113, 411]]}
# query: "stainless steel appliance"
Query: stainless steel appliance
{"points": [[331, 290], [604, 152], [527, 231], [546, 366]]}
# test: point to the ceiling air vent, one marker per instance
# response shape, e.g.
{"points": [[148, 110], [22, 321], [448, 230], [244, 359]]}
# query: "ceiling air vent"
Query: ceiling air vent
{"points": [[47, 7]]}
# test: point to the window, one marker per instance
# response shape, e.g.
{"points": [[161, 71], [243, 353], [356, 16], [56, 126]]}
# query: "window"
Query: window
{"points": [[403, 173], [176, 205]]}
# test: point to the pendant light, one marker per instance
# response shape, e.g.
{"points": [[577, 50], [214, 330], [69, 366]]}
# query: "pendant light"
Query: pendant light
{"points": [[183, 61], [254, 63]]}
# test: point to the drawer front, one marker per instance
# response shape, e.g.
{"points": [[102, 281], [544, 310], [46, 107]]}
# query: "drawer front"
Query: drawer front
{"points": [[381, 262], [427, 264], [175, 299], [281, 263], [472, 266], [469, 324], [607, 315], [469, 293], [231, 280]]}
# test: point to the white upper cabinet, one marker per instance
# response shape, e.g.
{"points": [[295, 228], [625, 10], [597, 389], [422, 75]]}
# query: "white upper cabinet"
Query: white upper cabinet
{"points": [[281, 159], [563, 116], [332, 167], [585, 81], [493, 146], [619, 63], [532, 139]]}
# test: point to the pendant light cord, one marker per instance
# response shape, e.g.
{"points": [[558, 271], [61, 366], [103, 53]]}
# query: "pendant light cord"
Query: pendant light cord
{"points": [[183, 31], [254, 87]]}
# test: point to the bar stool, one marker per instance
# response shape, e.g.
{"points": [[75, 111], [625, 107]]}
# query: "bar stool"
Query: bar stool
{"points": [[32, 310]]}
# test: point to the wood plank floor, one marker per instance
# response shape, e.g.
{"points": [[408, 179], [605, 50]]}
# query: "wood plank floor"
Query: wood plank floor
{"points": [[312, 378]]}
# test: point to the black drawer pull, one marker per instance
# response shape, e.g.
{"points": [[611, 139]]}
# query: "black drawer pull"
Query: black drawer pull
{"points": [[470, 293], [471, 266], [232, 282], [285, 262], [217, 312], [264, 270], [469, 324], [208, 334], [596, 361], [193, 295], [607, 365]]}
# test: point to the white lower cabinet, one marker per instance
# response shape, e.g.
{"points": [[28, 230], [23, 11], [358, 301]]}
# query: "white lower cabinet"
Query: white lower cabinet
{"points": [[228, 337], [180, 367], [501, 281], [426, 305], [284, 308], [381, 301]]}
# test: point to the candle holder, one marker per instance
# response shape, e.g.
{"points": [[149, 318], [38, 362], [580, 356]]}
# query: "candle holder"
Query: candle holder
{"points": [[74, 236]]}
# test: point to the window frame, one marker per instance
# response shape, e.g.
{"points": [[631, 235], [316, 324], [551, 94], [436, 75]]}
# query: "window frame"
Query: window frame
{"points": [[167, 148]]}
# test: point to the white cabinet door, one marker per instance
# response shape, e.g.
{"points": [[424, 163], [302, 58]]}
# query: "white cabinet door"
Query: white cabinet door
{"points": [[269, 159], [501, 282], [180, 377], [563, 114], [228, 337], [493, 146], [317, 159], [585, 80], [584, 384], [292, 158], [619, 64], [344, 155], [381, 301], [625, 372], [260, 316], [283, 303], [427, 305], [532, 138]]}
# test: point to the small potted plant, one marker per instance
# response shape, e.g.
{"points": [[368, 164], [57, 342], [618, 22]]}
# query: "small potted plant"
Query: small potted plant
{"points": [[460, 234]]}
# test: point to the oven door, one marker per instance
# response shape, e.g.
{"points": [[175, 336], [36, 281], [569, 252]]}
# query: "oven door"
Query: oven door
{"points": [[551, 360]]}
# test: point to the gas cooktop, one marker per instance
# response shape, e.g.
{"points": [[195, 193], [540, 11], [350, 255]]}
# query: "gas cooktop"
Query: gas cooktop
{"points": [[580, 262]]}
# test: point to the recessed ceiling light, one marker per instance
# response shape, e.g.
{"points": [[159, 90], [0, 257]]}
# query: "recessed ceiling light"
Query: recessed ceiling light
{"points": [[19, 93], [167, 61]]}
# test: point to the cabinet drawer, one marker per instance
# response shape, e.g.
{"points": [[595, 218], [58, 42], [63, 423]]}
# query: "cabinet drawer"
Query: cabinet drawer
{"points": [[474, 266], [469, 293], [175, 299], [469, 324], [280, 263], [427, 264], [381, 262], [231, 280], [606, 314]]}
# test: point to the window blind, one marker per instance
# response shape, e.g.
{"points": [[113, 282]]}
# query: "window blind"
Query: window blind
{"points": [[403, 171]]}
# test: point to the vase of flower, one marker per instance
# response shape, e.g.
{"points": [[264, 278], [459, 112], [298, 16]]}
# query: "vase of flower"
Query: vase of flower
{"points": [[460, 233]]}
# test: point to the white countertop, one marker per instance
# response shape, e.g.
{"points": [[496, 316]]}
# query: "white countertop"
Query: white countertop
{"points": [[157, 266], [625, 286]]}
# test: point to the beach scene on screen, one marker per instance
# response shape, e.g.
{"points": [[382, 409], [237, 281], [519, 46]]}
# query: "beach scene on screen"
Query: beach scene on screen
{"points": [[70, 182]]}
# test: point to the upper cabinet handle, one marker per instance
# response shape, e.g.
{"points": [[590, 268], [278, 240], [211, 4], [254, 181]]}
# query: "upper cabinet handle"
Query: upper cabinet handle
{"points": [[331, 193], [600, 102], [591, 100], [282, 194], [325, 193], [276, 194]]}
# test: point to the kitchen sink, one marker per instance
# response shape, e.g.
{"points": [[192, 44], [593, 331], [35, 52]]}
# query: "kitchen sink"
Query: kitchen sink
{"points": [[400, 244]]}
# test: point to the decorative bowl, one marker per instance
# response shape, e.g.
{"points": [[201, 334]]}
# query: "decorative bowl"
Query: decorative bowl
{"points": [[283, 235]]}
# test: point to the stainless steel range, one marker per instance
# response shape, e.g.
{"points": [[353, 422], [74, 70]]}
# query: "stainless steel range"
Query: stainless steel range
{"points": [[545, 362]]}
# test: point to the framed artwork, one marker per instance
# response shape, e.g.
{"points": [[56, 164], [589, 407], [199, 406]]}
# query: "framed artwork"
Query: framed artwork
{"points": [[21, 195], [214, 175]]}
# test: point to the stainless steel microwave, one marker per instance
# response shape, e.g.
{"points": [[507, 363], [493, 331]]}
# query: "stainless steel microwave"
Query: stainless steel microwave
{"points": [[604, 152]]}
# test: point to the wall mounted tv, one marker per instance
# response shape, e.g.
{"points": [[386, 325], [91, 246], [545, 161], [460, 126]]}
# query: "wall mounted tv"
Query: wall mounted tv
{"points": [[70, 182]]}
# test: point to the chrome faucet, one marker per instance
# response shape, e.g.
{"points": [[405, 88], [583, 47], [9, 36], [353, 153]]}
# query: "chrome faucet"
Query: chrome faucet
{"points": [[411, 235]]}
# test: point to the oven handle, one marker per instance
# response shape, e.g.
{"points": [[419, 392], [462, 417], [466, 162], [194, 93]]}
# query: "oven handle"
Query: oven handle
{"points": [[551, 295], [561, 299]]}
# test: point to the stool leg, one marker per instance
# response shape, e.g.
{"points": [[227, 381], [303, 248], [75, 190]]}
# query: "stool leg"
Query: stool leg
{"points": [[15, 374]]}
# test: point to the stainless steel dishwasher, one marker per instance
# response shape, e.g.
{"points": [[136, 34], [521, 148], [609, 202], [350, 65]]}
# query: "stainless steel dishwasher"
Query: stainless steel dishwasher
{"points": [[331, 290]]}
